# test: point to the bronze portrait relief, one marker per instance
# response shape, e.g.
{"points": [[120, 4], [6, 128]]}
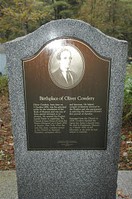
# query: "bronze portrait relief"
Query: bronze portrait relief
{"points": [[66, 66]]}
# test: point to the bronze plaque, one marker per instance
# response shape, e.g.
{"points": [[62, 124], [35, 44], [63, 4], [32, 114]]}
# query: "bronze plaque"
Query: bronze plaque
{"points": [[66, 88]]}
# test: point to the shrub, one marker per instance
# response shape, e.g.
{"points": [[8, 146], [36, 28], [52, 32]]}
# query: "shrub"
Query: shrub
{"points": [[3, 85], [127, 108]]}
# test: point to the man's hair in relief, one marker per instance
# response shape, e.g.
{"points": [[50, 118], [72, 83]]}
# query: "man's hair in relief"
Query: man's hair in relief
{"points": [[61, 51]]}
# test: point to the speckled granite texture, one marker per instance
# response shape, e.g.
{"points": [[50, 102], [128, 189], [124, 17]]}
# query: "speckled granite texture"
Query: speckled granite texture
{"points": [[81, 174]]}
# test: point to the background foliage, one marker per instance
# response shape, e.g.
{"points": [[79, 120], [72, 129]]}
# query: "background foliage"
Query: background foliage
{"points": [[20, 17]]}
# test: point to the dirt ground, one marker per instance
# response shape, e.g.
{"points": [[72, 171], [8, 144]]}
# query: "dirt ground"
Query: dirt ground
{"points": [[7, 160]]}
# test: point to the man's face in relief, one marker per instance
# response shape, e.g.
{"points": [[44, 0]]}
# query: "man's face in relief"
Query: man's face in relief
{"points": [[65, 60]]}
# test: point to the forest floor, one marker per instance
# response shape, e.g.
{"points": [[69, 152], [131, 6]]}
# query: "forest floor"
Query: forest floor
{"points": [[7, 160]]}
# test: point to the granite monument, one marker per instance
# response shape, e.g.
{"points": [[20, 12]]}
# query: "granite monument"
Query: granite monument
{"points": [[66, 82]]}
